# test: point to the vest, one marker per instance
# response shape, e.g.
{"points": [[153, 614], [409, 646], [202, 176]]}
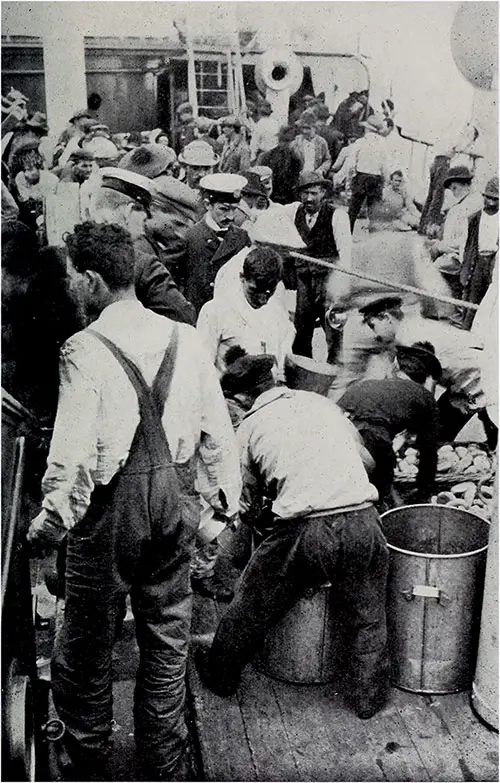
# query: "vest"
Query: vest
{"points": [[319, 239]]}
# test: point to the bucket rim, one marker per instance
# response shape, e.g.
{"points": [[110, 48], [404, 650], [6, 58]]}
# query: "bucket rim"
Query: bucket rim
{"points": [[428, 555]]}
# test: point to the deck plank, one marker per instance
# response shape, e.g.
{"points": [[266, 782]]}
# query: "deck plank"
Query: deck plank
{"points": [[328, 740], [270, 745], [432, 739], [224, 748], [394, 751], [477, 744]]}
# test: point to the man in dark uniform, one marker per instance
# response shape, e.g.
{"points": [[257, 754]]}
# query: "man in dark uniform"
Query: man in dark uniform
{"points": [[125, 197], [214, 239], [382, 408], [326, 232]]}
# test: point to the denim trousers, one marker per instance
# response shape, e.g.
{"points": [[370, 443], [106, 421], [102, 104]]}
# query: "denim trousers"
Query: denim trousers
{"points": [[347, 549]]}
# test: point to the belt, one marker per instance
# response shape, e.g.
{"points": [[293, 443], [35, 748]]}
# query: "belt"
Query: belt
{"points": [[328, 512]]}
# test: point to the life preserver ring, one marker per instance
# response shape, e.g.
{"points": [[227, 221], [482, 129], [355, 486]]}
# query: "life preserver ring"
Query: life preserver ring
{"points": [[278, 69]]}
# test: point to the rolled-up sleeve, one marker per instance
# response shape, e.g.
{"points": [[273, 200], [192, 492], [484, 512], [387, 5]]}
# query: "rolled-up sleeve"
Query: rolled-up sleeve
{"points": [[68, 481], [218, 469]]}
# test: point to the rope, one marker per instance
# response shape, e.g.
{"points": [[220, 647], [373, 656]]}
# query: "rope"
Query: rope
{"points": [[396, 286]]}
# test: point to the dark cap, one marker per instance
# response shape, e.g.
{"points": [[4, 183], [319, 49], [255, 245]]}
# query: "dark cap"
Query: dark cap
{"points": [[81, 154], [133, 185], [254, 186], [458, 174], [310, 178], [379, 305], [248, 372], [417, 359]]}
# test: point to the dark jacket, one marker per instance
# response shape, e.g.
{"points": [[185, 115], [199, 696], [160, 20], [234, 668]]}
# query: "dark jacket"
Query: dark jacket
{"points": [[285, 165], [319, 239], [389, 406], [205, 255], [155, 287]]}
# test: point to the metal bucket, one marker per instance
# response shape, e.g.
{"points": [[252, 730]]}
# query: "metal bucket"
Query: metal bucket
{"points": [[308, 375], [435, 588], [305, 646]]}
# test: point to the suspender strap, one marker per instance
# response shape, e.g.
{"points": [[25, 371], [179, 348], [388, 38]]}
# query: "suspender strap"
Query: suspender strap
{"points": [[161, 384], [151, 401]]}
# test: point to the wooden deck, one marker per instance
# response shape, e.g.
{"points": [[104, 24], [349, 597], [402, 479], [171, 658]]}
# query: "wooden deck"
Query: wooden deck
{"points": [[272, 731]]}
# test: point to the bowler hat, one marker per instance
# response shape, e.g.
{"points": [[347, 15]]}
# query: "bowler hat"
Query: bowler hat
{"points": [[416, 358], [102, 148], [458, 174], [378, 305], [81, 154], [491, 188], [150, 160], [309, 178], [198, 153]]}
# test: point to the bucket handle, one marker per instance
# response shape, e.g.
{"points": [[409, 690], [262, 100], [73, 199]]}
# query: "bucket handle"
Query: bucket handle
{"points": [[427, 591]]}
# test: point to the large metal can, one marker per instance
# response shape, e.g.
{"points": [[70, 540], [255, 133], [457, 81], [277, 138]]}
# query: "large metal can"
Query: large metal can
{"points": [[304, 647], [435, 589]]}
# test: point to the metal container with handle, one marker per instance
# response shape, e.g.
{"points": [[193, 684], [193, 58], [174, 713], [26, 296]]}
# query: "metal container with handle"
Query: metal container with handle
{"points": [[435, 588]]}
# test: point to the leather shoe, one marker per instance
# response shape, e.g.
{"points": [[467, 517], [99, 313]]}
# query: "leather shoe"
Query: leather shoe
{"points": [[210, 587], [213, 683]]}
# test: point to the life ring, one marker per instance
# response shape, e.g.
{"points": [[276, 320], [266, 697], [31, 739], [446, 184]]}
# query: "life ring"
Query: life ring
{"points": [[278, 69]]}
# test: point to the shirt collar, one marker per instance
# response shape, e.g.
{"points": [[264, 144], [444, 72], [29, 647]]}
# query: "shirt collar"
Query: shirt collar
{"points": [[269, 396], [213, 225], [117, 311]]}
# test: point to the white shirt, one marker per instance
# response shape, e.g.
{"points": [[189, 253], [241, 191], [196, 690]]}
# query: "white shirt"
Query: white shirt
{"points": [[340, 228], [459, 352], [455, 226], [46, 186], [309, 150], [223, 323], [303, 444], [370, 156], [98, 411], [488, 233], [264, 136], [227, 280]]}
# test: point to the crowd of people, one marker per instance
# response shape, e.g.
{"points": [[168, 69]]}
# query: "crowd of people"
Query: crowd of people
{"points": [[160, 339]]}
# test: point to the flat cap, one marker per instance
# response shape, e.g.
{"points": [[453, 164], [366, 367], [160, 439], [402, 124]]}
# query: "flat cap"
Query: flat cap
{"points": [[416, 358], [133, 185], [491, 188], [378, 305]]}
